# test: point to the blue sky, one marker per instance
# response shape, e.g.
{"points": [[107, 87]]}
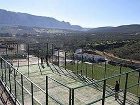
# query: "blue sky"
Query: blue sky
{"points": [[87, 13]]}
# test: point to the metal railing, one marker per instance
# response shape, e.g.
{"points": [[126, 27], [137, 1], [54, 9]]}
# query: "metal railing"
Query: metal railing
{"points": [[21, 86], [12, 78], [16, 82], [125, 90]]}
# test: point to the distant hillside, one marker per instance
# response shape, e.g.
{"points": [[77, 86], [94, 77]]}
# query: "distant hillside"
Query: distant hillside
{"points": [[32, 30], [134, 28], [23, 19], [129, 51]]}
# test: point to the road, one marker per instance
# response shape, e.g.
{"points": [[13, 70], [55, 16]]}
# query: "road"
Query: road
{"points": [[110, 56]]}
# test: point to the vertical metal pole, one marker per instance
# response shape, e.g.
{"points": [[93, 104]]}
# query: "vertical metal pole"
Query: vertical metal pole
{"points": [[18, 55], [46, 90], [5, 72], [6, 49], [65, 60], [47, 56], [120, 73], [1, 63], [28, 59], [2, 68], [70, 96], [77, 66], [32, 93], [10, 78], [58, 58], [22, 92], [104, 90], [138, 84], [92, 71], [52, 53], [105, 70], [15, 86], [81, 72], [73, 64], [139, 100], [73, 58], [86, 70], [82, 58], [82, 61], [47, 52], [125, 90]]}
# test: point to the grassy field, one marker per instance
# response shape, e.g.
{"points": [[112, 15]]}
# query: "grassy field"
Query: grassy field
{"points": [[97, 72]]}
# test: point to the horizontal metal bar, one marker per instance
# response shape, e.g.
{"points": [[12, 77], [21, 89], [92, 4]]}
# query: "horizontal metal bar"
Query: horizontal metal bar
{"points": [[59, 82], [108, 78], [55, 100], [94, 101], [40, 88], [111, 95], [7, 88], [133, 85], [102, 98], [28, 92]]}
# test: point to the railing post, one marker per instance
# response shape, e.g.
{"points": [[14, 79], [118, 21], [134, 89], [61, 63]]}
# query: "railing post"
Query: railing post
{"points": [[47, 52], [86, 70], [120, 73], [46, 90], [10, 78], [52, 52], [138, 84], [125, 90], [22, 92], [15, 87], [2, 68], [32, 93], [47, 56], [6, 49], [5, 74], [17, 56], [92, 71], [70, 96], [1, 63], [105, 70], [139, 100], [28, 60], [81, 72], [65, 60], [77, 67], [104, 90], [58, 57], [73, 59]]}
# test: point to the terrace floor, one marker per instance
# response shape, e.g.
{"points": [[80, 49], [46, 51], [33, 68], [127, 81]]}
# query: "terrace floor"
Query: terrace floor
{"points": [[82, 95]]}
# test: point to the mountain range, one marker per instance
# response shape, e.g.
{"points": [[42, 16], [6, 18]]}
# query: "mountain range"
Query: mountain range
{"points": [[15, 22], [24, 19], [133, 28]]}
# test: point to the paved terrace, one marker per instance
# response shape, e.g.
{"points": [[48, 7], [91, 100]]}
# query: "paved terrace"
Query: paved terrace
{"points": [[56, 90]]}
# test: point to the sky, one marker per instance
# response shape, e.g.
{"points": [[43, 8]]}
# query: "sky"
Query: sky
{"points": [[86, 13]]}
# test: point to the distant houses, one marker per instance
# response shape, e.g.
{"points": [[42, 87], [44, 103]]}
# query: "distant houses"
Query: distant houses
{"points": [[88, 56], [10, 47]]}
